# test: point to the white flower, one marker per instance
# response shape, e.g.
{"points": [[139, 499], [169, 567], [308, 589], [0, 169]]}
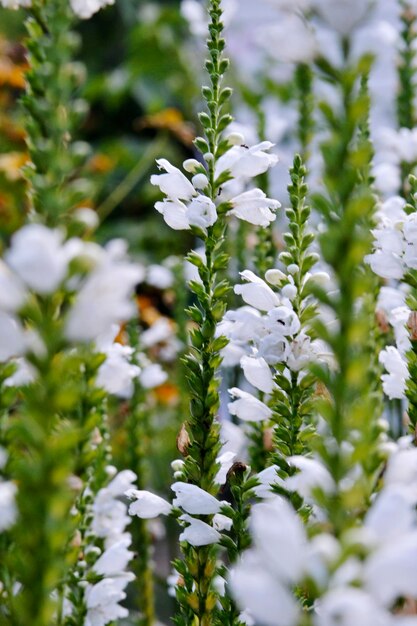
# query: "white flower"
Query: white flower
{"points": [[254, 207], [120, 483], [257, 373], [198, 533], [8, 509], [392, 514], [86, 8], [288, 39], [222, 522], [247, 407], [39, 257], [3, 457], [201, 212], [115, 559], [342, 15], [152, 375], [12, 338], [226, 460], [147, 505], [391, 572], [274, 348], [347, 606], [256, 292], [244, 162], [103, 300], [15, 4], [117, 373], [174, 213], [279, 537], [267, 478], [394, 383], [102, 600], [109, 515], [402, 468], [258, 591], [159, 276], [12, 290], [311, 475], [195, 500], [283, 320], [241, 325], [24, 374], [160, 331], [173, 183]]}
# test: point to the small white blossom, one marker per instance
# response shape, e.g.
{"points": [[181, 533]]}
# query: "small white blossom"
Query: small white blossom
{"points": [[248, 408], [195, 500], [198, 533], [147, 505]]}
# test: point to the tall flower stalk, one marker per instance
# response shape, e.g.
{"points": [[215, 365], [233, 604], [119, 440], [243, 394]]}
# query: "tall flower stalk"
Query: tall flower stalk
{"points": [[292, 398], [198, 595], [54, 112], [346, 210]]}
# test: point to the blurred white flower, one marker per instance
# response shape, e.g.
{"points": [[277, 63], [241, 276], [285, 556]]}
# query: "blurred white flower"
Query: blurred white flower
{"points": [[254, 207], [248, 408], [198, 533], [244, 162], [147, 505], [195, 500], [8, 508], [39, 257]]}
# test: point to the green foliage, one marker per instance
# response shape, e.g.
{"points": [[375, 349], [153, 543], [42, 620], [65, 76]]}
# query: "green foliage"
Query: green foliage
{"points": [[346, 402]]}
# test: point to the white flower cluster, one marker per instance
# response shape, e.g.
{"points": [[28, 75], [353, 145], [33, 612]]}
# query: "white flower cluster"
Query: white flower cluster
{"points": [[97, 281], [358, 578], [395, 253], [193, 501], [262, 335], [82, 8], [187, 204], [395, 240], [108, 527]]}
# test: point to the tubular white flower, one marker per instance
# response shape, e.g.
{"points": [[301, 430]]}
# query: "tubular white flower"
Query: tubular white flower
{"points": [[102, 600], [147, 505], [279, 536], [394, 383], [115, 559], [117, 373], [257, 373], [256, 292], [174, 213], [258, 591], [201, 212], [347, 606], [39, 257], [195, 500], [342, 15], [173, 183], [247, 407], [311, 475], [254, 207], [198, 533], [103, 300], [244, 162]]}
